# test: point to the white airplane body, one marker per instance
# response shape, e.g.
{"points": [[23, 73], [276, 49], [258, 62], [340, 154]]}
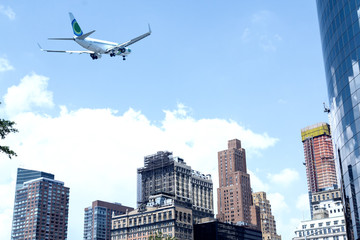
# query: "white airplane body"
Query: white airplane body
{"points": [[96, 47]]}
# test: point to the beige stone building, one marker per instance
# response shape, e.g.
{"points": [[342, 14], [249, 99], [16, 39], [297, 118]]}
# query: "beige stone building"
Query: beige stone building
{"points": [[268, 224], [164, 173], [159, 215]]}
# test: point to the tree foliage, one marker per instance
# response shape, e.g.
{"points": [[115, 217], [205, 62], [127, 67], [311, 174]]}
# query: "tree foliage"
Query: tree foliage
{"points": [[159, 236], [7, 127]]}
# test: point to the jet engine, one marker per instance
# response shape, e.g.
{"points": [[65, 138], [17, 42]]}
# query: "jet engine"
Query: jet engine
{"points": [[95, 55]]}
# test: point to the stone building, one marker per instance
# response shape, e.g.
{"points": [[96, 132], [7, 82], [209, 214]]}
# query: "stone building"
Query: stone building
{"points": [[160, 214], [268, 223], [163, 173]]}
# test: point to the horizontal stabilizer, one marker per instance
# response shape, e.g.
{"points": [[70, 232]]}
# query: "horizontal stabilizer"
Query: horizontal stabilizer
{"points": [[86, 35], [60, 38]]}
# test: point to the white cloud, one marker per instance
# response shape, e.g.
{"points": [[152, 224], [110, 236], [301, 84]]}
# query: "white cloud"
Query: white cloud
{"points": [[5, 65], [256, 184], [96, 151], [285, 178], [281, 101], [245, 37], [31, 92], [8, 12], [278, 204], [262, 17], [262, 24], [287, 228], [303, 203], [269, 43]]}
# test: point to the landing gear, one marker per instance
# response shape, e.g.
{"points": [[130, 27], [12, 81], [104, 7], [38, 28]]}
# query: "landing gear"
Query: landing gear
{"points": [[93, 56], [124, 58], [112, 54]]}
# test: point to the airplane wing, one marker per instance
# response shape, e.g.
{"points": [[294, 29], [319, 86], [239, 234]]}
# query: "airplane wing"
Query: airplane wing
{"points": [[65, 51], [128, 43]]}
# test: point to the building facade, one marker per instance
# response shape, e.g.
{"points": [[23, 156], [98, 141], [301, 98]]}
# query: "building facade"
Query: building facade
{"points": [[267, 220], [163, 173], [97, 219], [41, 210], [339, 29], [329, 200], [322, 227], [235, 204], [215, 230], [159, 215]]}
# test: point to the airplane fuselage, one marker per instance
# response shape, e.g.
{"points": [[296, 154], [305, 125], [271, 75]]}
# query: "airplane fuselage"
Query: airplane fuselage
{"points": [[100, 46]]}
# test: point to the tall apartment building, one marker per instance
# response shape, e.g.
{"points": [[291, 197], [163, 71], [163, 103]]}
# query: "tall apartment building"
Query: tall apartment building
{"points": [[97, 219], [234, 194], [319, 159], [267, 220], [40, 209], [339, 29], [163, 173], [160, 214]]}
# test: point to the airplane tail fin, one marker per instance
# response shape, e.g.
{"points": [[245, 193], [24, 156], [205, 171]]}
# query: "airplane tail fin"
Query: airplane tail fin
{"points": [[75, 26]]}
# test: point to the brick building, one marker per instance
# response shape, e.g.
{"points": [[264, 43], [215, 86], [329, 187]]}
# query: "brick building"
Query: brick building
{"points": [[41, 210], [235, 204], [97, 219]]}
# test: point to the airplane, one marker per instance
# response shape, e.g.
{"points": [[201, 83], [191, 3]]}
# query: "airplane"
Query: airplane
{"points": [[96, 47]]}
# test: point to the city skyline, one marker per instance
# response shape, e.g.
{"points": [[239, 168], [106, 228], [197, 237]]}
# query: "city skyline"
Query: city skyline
{"points": [[251, 71]]}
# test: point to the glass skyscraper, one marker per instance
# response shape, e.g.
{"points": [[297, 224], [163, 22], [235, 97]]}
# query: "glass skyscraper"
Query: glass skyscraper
{"points": [[340, 37]]}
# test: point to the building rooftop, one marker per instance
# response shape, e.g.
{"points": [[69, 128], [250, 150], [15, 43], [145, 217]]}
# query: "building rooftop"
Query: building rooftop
{"points": [[315, 130]]}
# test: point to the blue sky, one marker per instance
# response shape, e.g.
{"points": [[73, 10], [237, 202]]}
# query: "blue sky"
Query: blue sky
{"points": [[211, 71]]}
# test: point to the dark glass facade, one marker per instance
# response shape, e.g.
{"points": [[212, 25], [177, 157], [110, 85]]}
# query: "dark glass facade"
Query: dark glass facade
{"points": [[216, 230], [340, 37], [24, 175]]}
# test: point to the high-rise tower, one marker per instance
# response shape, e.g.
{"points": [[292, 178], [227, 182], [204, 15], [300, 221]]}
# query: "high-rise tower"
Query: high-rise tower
{"points": [[235, 202], [339, 29], [41, 209], [319, 157]]}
